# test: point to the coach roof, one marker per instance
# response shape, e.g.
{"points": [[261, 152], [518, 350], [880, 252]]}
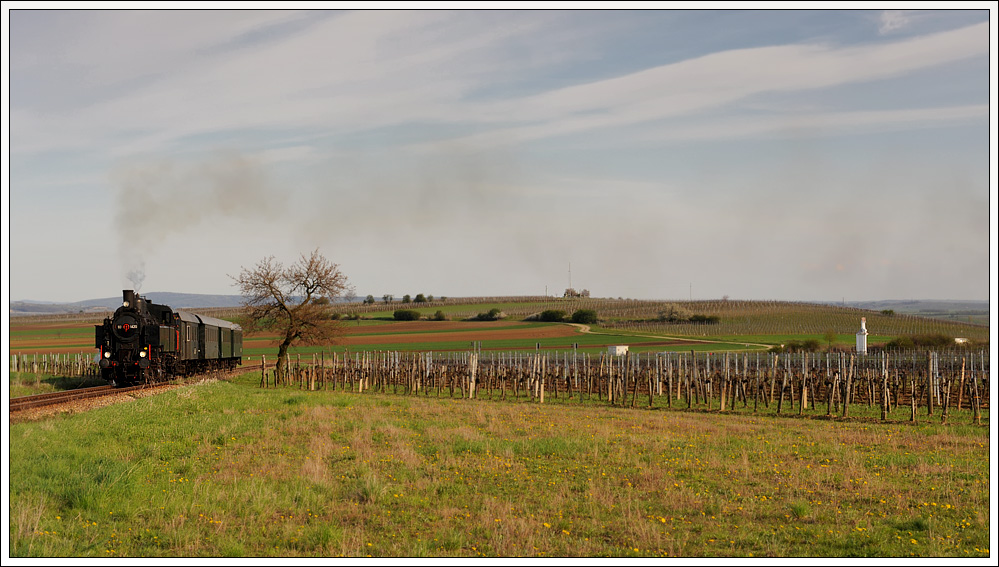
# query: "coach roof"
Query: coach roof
{"points": [[218, 323]]}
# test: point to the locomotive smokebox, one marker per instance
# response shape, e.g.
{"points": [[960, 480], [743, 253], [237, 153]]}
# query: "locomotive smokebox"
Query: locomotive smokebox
{"points": [[128, 296]]}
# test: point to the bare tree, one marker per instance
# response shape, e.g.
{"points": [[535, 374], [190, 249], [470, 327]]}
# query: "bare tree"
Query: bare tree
{"points": [[291, 301]]}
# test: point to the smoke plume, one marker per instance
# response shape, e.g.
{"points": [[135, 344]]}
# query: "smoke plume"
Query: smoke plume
{"points": [[159, 201]]}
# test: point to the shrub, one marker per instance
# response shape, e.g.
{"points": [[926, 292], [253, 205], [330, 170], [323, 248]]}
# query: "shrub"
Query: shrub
{"points": [[584, 316], [673, 313], [807, 345], [439, 316], [405, 298], [492, 315], [369, 299], [406, 314], [552, 316], [420, 298], [708, 319]]}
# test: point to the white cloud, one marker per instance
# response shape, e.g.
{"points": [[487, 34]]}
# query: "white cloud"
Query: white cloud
{"points": [[371, 69], [720, 79]]}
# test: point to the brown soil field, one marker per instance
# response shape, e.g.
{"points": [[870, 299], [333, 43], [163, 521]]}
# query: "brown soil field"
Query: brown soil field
{"points": [[48, 326], [27, 349], [52, 345], [421, 326]]}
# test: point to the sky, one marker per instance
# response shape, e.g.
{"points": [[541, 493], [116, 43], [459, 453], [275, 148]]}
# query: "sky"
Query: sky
{"points": [[808, 155]]}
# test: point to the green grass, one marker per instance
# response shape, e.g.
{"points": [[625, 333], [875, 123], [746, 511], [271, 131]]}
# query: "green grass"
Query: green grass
{"points": [[587, 343], [227, 469], [445, 331], [57, 332]]}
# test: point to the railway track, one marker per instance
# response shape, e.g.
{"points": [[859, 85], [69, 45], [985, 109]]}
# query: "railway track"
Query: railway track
{"points": [[54, 398], [39, 400]]}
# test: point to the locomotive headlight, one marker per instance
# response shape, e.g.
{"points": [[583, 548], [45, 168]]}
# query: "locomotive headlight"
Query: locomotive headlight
{"points": [[124, 304], [142, 354], [107, 354]]}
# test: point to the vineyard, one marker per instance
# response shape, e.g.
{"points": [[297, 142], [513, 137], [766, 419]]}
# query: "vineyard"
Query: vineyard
{"points": [[736, 317], [807, 384]]}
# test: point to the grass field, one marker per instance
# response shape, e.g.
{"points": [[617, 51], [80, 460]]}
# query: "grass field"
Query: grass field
{"points": [[227, 469]]}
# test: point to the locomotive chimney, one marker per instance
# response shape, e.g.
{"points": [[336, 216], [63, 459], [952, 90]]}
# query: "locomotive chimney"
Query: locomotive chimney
{"points": [[128, 296]]}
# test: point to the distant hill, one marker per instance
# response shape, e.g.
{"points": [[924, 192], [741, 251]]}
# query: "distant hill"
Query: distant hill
{"points": [[965, 311], [174, 300], [952, 310]]}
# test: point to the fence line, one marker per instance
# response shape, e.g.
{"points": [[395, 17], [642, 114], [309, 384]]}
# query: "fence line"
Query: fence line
{"points": [[65, 364]]}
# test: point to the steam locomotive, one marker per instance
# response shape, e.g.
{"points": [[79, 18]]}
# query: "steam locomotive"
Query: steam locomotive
{"points": [[144, 342]]}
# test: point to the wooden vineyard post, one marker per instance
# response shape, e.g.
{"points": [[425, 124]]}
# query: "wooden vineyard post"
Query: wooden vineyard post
{"points": [[960, 390], [831, 384], [884, 388], [650, 376], [929, 386], [789, 382], [804, 395], [756, 387], [849, 388], [724, 387], [555, 382], [946, 400], [912, 398], [634, 380], [773, 381], [568, 382], [610, 382], [473, 363], [263, 371], [976, 402], [783, 387]]}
